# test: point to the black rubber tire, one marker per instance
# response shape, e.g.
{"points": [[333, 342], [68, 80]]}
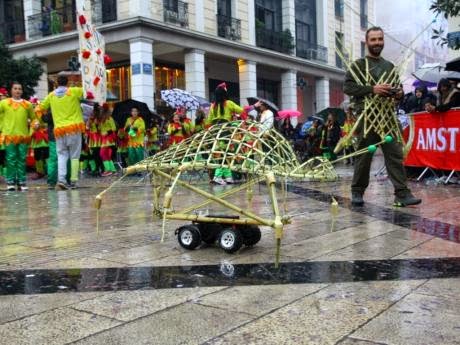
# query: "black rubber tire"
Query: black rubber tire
{"points": [[251, 235], [230, 240], [189, 236], [209, 232]]}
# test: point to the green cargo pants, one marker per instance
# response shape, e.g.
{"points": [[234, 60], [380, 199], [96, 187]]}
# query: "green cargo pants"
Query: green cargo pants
{"points": [[16, 163], [392, 152]]}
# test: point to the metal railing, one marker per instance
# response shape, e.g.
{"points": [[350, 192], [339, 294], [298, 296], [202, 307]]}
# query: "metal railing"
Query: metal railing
{"points": [[52, 22], [229, 27], [176, 12], [55, 21], [274, 40], [12, 31], [311, 51]]}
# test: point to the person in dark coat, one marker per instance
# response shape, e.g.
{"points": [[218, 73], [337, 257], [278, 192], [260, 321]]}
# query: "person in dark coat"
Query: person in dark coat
{"points": [[449, 97], [417, 102]]}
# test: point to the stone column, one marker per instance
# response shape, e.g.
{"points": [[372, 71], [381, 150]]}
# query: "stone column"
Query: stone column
{"points": [[322, 93], [288, 19], [252, 22], [199, 15], [31, 7], [41, 90], [142, 71], [322, 22], [289, 92], [247, 71], [194, 72]]}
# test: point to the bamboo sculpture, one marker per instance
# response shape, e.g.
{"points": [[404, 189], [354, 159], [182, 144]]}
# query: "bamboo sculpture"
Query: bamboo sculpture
{"points": [[241, 146]]}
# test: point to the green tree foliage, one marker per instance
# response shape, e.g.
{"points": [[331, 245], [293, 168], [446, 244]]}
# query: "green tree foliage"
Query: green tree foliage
{"points": [[446, 8], [26, 71]]}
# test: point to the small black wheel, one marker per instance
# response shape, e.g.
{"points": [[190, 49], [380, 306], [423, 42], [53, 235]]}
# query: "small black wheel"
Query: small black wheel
{"points": [[251, 235], [189, 236], [230, 240]]}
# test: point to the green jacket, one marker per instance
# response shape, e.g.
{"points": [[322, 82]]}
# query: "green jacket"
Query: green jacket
{"points": [[359, 89]]}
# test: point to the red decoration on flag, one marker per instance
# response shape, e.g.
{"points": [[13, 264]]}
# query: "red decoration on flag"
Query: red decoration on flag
{"points": [[82, 20], [87, 34], [98, 51], [86, 54], [89, 95], [107, 59], [96, 80]]}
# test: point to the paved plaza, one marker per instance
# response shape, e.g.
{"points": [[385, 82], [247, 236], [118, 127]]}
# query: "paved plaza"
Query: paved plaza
{"points": [[371, 275]]}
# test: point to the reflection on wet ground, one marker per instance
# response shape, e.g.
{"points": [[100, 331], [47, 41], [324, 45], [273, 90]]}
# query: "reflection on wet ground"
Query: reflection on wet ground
{"points": [[449, 232], [225, 274], [342, 280]]}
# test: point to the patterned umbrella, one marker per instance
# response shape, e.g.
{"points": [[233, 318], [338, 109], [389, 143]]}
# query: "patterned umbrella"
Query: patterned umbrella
{"points": [[177, 98]]}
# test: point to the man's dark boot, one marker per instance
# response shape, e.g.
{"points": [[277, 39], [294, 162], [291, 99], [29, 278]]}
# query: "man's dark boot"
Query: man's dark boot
{"points": [[407, 200], [357, 199]]}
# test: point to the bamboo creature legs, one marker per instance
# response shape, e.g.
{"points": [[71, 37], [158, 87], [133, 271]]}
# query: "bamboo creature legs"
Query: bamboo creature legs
{"points": [[278, 224], [250, 218]]}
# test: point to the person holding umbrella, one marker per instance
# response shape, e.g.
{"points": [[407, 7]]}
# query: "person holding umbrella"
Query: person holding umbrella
{"points": [[135, 127]]}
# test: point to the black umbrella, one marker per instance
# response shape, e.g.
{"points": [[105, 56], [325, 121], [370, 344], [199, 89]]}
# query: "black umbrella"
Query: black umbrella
{"points": [[453, 65], [272, 106], [122, 110], [339, 114]]}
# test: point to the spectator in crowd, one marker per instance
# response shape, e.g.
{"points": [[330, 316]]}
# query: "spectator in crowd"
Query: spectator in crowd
{"points": [[330, 136], [449, 97], [287, 130], [346, 129], [267, 118], [417, 102]]}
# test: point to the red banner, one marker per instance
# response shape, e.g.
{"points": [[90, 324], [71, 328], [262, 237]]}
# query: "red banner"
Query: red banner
{"points": [[436, 141]]}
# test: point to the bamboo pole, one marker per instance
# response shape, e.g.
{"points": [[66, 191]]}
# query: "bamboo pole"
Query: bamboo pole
{"points": [[224, 203]]}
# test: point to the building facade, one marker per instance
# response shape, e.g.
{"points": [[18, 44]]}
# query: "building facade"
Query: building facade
{"points": [[282, 50]]}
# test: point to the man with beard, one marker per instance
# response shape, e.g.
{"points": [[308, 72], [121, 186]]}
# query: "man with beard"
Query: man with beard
{"points": [[376, 66]]}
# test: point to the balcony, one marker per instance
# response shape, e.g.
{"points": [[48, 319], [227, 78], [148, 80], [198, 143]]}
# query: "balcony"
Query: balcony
{"points": [[53, 22], [12, 31], [311, 51], [176, 12], [229, 27], [274, 40]]}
